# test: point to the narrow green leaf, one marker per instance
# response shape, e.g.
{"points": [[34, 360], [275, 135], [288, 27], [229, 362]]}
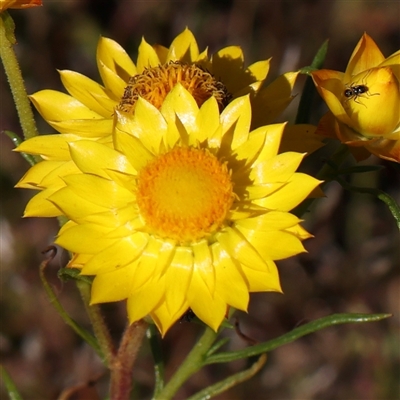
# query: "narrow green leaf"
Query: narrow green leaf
{"points": [[231, 381], [217, 346], [155, 345], [295, 334], [10, 385], [305, 105]]}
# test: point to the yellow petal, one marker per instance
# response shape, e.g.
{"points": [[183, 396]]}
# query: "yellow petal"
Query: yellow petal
{"points": [[278, 169], [268, 222], [137, 154], [57, 106], [228, 63], [178, 277], [249, 150], [258, 71], [99, 191], [273, 99], [55, 177], [40, 206], [263, 281], [112, 81], [144, 300], [301, 138], [299, 232], [240, 249], [207, 121], [272, 142], [73, 206], [114, 286], [209, 308], [183, 48], [273, 245], [393, 62], [366, 55], [148, 124], [50, 147], [92, 157], [118, 255], [84, 239], [235, 120], [115, 58], [162, 53], [290, 195], [164, 318], [231, 284], [45, 174], [203, 265], [180, 103], [253, 192], [86, 128], [88, 92], [147, 57], [154, 260]]}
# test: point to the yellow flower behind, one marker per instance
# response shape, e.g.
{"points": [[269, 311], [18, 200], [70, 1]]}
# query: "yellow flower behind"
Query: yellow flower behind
{"points": [[189, 210], [364, 101], [88, 110]]}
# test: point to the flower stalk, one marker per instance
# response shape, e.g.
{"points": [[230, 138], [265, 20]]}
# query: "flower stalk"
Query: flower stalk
{"points": [[16, 81], [99, 327], [122, 365], [193, 362]]}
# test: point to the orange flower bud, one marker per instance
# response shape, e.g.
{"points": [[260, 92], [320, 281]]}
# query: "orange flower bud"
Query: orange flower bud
{"points": [[364, 101]]}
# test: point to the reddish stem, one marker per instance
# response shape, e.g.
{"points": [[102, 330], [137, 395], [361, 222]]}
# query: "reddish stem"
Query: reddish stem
{"points": [[121, 369]]}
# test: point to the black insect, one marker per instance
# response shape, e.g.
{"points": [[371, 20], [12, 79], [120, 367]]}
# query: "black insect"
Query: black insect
{"points": [[355, 91]]}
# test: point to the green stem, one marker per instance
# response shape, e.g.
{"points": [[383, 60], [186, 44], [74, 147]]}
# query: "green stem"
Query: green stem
{"points": [[99, 327], [154, 340], [193, 362], [9, 384], [16, 82], [121, 368], [295, 334], [86, 336], [231, 381]]}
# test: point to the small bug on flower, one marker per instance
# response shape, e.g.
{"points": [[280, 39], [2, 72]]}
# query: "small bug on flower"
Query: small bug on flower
{"points": [[354, 91]]}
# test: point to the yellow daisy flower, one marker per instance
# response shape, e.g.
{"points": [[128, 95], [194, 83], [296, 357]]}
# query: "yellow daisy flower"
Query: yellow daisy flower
{"points": [[87, 111], [189, 210], [364, 102]]}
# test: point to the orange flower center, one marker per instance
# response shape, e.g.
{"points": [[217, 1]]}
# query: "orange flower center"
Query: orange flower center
{"points": [[153, 84], [184, 194]]}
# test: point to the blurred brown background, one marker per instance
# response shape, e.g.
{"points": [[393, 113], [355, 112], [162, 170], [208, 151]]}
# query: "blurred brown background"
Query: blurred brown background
{"points": [[353, 264]]}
